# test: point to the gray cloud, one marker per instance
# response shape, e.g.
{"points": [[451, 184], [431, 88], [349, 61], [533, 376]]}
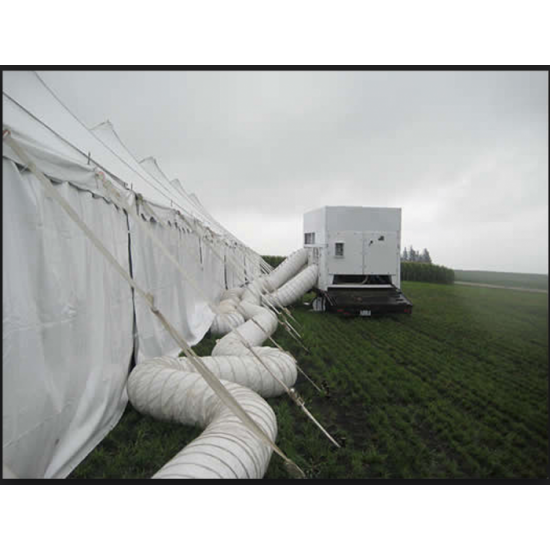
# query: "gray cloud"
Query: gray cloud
{"points": [[465, 154]]}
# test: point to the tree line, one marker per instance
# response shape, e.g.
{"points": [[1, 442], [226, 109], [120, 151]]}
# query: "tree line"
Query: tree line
{"points": [[411, 255], [427, 273]]}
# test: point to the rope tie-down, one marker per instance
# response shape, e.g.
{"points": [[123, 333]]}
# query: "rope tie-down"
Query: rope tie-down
{"points": [[265, 320], [238, 415], [250, 423], [231, 306], [236, 358], [249, 335]]}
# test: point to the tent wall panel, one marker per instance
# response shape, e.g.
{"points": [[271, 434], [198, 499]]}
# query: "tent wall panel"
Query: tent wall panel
{"points": [[26, 88], [67, 315], [67, 326], [235, 267], [178, 300], [213, 269], [253, 266]]}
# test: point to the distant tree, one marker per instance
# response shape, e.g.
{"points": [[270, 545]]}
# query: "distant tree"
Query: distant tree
{"points": [[412, 255], [427, 273]]}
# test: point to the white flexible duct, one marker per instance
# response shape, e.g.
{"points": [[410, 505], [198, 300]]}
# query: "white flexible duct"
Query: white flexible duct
{"points": [[226, 449], [169, 389], [255, 331], [148, 384], [287, 269], [226, 321], [254, 291], [228, 317], [295, 288], [243, 370]]}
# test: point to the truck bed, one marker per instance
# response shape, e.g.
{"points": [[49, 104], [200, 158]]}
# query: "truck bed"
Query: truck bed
{"points": [[366, 300]]}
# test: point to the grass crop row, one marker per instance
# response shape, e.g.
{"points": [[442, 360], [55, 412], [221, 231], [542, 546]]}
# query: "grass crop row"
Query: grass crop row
{"points": [[457, 390]]}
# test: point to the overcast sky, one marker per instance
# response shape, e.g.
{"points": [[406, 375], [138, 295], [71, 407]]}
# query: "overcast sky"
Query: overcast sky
{"points": [[464, 154]]}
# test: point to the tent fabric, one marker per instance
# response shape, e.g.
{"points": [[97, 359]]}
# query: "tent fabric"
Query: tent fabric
{"points": [[239, 266], [177, 299], [213, 267], [59, 166], [179, 198], [68, 317], [107, 135], [149, 170], [234, 274], [35, 100], [95, 406], [67, 326]]}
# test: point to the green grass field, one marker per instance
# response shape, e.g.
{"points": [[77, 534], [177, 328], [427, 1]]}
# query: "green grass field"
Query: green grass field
{"points": [[456, 390], [523, 280]]}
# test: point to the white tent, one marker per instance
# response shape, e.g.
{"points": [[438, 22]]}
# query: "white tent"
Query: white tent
{"points": [[72, 327]]}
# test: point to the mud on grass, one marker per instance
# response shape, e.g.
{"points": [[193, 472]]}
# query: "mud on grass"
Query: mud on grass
{"points": [[457, 390]]}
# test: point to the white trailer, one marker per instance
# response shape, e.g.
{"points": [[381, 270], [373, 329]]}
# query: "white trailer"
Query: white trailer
{"points": [[358, 251]]}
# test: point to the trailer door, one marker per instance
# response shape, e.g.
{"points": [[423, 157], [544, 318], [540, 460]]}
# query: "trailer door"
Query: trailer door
{"points": [[380, 253], [345, 253]]}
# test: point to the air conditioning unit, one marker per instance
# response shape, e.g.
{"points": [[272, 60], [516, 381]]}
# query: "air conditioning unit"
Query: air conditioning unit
{"points": [[358, 251]]}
